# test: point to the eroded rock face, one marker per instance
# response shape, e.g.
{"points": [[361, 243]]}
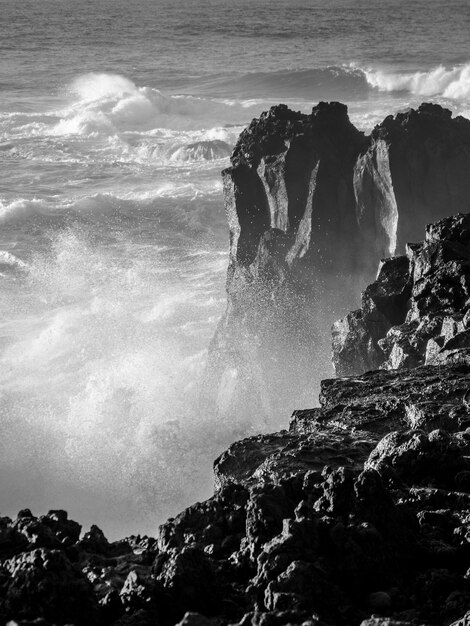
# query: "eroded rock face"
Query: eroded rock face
{"points": [[292, 173], [414, 172], [289, 198], [418, 310], [312, 206]]}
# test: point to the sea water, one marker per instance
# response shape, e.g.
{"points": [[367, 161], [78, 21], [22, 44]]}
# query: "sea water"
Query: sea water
{"points": [[116, 119]]}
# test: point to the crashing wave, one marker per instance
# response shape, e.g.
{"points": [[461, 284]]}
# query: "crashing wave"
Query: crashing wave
{"points": [[440, 81], [109, 103]]}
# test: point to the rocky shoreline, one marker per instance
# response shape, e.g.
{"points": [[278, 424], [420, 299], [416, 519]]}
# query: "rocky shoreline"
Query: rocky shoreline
{"points": [[357, 514]]}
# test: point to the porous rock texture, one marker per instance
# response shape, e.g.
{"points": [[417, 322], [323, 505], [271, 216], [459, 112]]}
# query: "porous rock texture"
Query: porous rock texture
{"points": [[417, 312], [358, 514], [313, 205]]}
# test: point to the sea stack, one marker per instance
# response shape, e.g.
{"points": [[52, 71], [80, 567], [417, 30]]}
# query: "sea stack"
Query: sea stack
{"points": [[313, 205]]}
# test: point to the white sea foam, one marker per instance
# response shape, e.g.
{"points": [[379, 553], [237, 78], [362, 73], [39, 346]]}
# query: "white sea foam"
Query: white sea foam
{"points": [[10, 260], [21, 208], [94, 86], [108, 119], [127, 201], [177, 206], [110, 103], [184, 148], [101, 377], [440, 81]]}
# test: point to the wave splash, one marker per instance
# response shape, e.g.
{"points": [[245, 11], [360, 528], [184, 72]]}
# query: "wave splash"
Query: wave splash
{"points": [[99, 378]]}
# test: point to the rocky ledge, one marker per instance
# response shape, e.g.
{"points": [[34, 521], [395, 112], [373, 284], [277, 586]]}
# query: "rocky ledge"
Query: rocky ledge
{"points": [[359, 513]]}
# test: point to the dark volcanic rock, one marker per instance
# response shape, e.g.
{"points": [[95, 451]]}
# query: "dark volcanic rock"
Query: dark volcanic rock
{"points": [[283, 165], [413, 173], [356, 510], [43, 583], [363, 506], [312, 206], [48, 575], [426, 318], [290, 202]]}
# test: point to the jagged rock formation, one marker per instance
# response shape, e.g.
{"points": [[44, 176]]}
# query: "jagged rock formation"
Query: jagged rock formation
{"points": [[312, 206], [359, 514], [414, 172], [417, 312], [51, 574]]}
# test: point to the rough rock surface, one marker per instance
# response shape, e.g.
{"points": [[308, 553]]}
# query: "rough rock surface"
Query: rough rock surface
{"points": [[312, 206], [357, 515], [417, 312]]}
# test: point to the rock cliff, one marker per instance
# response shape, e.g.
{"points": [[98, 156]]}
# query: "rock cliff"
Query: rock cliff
{"points": [[358, 514], [312, 206]]}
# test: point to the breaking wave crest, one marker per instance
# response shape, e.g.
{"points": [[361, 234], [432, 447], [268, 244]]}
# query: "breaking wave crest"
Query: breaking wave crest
{"points": [[109, 103], [108, 119], [21, 209], [453, 83], [348, 82], [201, 151], [308, 84], [112, 118]]}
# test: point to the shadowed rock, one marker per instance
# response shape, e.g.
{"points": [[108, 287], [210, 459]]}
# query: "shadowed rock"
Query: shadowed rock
{"points": [[417, 314]]}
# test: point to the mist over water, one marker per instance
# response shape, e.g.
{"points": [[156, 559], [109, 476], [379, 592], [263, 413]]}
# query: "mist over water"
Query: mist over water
{"points": [[115, 121]]}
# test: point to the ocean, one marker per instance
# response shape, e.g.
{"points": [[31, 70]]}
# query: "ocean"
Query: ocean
{"points": [[116, 119]]}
